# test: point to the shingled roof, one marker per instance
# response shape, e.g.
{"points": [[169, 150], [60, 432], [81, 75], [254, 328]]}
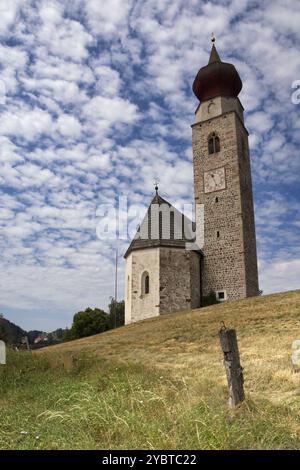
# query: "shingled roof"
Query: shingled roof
{"points": [[163, 225]]}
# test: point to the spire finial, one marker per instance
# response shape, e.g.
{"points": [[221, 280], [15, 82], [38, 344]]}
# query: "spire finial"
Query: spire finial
{"points": [[156, 182], [214, 56]]}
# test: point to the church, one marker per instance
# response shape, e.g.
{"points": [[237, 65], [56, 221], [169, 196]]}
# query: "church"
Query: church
{"points": [[167, 270]]}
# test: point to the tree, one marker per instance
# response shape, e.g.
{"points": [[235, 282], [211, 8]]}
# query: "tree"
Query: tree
{"points": [[116, 313], [69, 334], [88, 322]]}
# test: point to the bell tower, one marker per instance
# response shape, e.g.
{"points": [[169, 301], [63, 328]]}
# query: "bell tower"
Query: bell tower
{"points": [[222, 181]]}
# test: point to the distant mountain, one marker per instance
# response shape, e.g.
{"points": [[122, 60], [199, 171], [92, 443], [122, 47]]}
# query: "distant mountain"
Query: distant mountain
{"points": [[10, 333], [13, 334]]}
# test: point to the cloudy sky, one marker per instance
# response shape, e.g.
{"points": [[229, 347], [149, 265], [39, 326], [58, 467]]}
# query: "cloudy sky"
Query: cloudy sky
{"points": [[96, 102]]}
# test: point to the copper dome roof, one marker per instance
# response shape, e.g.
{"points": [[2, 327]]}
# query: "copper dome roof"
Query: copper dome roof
{"points": [[217, 78]]}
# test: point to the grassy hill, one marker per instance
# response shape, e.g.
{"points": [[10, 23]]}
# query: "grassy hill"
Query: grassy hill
{"points": [[160, 384]]}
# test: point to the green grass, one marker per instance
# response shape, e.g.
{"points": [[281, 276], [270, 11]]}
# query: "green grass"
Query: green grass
{"points": [[159, 384]]}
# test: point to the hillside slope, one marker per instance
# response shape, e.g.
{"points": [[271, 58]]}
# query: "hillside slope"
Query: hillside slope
{"points": [[266, 327], [161, 383]]}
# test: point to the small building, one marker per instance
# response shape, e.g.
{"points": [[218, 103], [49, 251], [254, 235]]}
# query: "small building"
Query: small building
{"points": [[163, 273]]}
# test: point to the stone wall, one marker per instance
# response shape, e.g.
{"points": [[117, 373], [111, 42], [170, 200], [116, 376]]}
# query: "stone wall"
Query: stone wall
{"points": [[195, 275], [174, 275], [179, 280], [218, 106], [226, 211], [249, 237]]}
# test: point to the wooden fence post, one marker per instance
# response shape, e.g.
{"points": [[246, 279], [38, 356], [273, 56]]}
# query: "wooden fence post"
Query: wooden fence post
{"points": [[234, 371]]}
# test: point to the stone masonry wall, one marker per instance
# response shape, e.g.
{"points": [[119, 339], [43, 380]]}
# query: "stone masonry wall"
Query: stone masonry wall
{"points": [[217, 106], [224, 256], [195, 276], [174, 275], [179, 280], [248, 213]]}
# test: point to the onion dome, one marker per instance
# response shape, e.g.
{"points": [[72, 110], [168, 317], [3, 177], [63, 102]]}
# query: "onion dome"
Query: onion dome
{"points": [[217, 78]]}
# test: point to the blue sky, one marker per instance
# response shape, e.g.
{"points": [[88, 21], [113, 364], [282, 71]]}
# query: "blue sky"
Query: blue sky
{"points": [[98, 103]]}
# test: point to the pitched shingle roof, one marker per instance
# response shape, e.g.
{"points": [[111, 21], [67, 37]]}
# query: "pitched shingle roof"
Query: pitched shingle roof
{"points": [[163, 225]]}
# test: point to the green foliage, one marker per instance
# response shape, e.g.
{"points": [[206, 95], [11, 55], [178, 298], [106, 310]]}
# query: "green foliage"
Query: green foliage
{"points": [[93, 321], [68, 334], [87, 323], [116, 313], [209, 299], [106, 404]]}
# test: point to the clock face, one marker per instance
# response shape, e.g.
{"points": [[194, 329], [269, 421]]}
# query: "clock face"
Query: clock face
{"points": [[214, 180]]}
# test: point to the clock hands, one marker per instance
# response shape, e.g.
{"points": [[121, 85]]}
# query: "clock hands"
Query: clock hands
{"points": [[212, 179]]}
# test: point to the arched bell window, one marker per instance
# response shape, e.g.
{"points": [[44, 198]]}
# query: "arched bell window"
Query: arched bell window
{"points": [[145, 283], [213, 143]]}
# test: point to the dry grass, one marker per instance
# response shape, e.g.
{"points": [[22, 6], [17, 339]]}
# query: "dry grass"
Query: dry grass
{"points": [[161, 383], [188, 342]]}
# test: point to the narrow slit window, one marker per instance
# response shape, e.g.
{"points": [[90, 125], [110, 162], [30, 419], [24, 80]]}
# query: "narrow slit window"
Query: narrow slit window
{"points": [[147, 286], [145, 283]]}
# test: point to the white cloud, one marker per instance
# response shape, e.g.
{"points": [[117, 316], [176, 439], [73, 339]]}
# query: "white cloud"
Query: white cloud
{"points": [[8, 14], [69, 126], [26, 123], [9, 153], [278, 276], [62, 37], [260, 122], [112, 110], [286, 18], [109, 82], [109, 18]]}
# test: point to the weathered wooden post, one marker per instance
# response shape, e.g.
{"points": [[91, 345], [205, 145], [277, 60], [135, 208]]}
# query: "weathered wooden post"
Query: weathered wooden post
{"points": [[234, 371]]}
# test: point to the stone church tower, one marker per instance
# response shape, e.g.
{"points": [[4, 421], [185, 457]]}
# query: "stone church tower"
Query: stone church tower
{"points": [[222, 180], [165, 269]]}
